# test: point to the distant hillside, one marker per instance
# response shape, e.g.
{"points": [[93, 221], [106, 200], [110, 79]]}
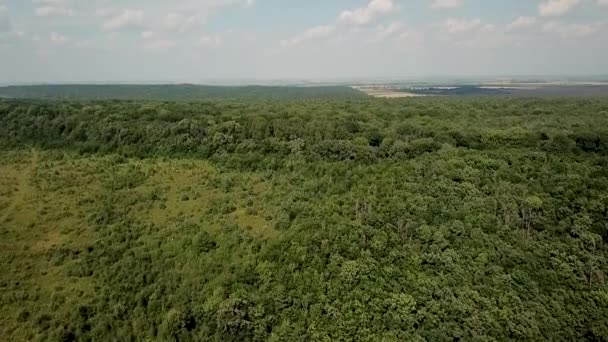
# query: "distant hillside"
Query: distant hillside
{"points": [[177, 92]]}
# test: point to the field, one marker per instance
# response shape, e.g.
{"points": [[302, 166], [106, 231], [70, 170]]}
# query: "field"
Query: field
{"points": [[347, 218], [385, 92], [548, 89]]}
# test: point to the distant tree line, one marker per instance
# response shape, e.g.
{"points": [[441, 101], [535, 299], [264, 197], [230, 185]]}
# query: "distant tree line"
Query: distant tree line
{"points": [[362, 130]]}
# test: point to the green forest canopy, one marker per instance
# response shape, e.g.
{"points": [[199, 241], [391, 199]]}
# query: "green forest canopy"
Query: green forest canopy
{"points": [[177, 92], [437, 219]]}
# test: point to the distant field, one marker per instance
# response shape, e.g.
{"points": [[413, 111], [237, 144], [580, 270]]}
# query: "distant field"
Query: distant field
{"points": [[532, 89], [562, 90], [384, 92], [538, 83]]}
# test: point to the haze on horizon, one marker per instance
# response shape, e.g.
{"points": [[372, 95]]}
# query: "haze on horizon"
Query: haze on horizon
{"points": [[47, 41]]}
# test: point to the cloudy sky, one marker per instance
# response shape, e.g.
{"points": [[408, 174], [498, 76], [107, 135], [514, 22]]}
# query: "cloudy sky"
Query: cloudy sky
{"points": [[197, 40]]}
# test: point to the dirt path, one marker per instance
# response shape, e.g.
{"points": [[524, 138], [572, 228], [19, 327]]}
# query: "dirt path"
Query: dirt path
{"points": [[24, 186]]}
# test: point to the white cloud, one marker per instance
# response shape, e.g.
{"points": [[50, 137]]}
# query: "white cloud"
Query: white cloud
{"points": [[160, 44], [147, 34], [364, 15], [180, 23], [571, 30], [409, 35], [397, 37], [48, 8], [53, 2], [58, 39], [388, 31], [602, 3], [460, 26], [126, 18], [552, 26], [181, 16], [522, 23], [172, 21], [83, 44], [3, 9], [210, 40], [488, 28], [312, 33], [12, 35], [556, 7], [357, 17], [441, 4], [47, 11], [103, 12]]}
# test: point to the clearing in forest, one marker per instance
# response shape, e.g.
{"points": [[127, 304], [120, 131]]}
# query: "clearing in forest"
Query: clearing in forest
{"points": [[24, 186]]}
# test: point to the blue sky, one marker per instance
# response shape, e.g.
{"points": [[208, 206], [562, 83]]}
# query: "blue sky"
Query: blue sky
{"points": [[198, 40]]}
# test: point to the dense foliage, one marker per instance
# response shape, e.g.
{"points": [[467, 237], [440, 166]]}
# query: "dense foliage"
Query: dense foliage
{"points": [[436, 219]]}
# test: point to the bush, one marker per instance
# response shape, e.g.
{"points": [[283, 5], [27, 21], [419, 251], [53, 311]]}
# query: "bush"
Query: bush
{"points": [[560, 143]]}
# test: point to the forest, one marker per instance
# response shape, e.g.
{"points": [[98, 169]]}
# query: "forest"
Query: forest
{"points": [[176, 92], [289, 217]]}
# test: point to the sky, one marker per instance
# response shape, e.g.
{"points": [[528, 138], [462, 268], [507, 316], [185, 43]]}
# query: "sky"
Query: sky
{"points": [[72, 41]]}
